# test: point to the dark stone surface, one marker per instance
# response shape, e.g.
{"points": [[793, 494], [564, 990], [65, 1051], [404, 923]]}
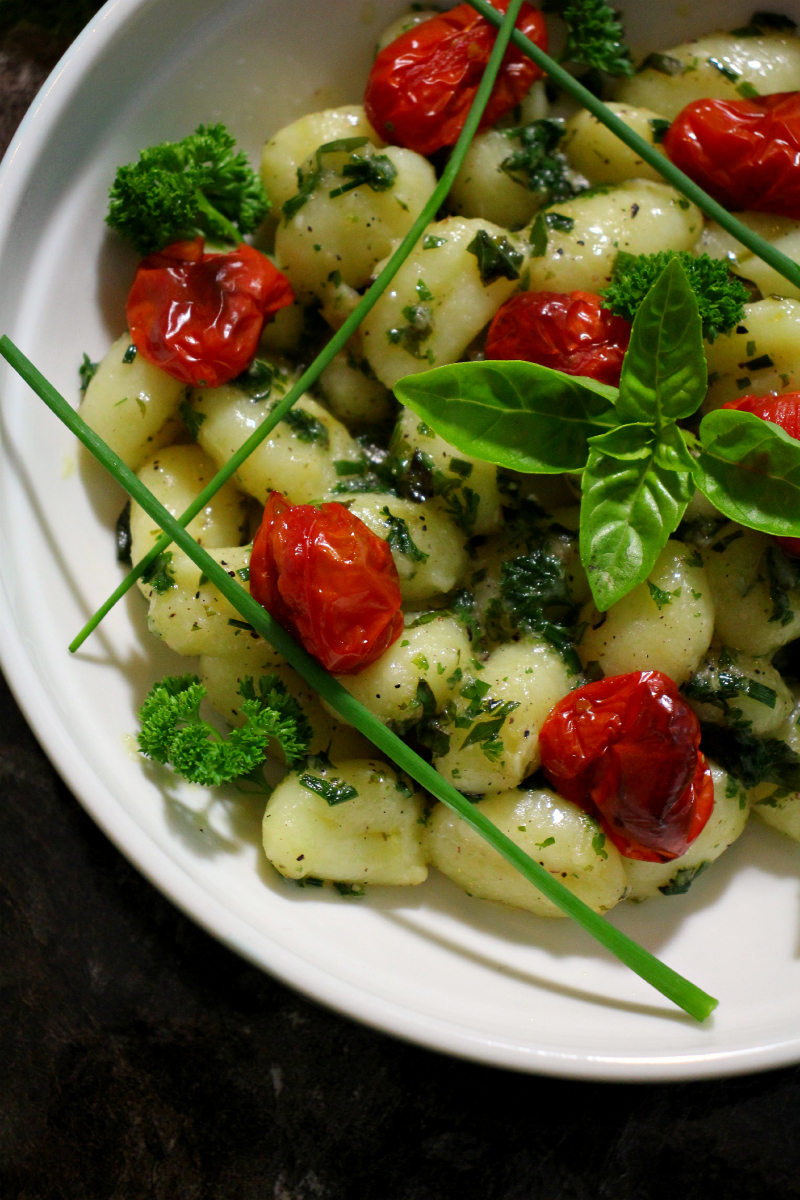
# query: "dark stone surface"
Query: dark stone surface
{"points": [[139, 1059]]}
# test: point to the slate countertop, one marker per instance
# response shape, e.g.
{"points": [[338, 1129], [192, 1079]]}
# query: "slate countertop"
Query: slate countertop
{"points": [[140, 1059]]}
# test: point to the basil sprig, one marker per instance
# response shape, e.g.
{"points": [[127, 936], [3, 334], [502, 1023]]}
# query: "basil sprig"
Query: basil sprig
{"points": [[639, 467], [638, 478]]}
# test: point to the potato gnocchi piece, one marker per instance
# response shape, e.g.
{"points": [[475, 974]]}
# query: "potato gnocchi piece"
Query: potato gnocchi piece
{"points": [[437, 302], [334, 241], [429, 552], [492, 730], [664, 624], [761, 355], [485, 190], [755, 590], [289, 148], [419, 672], [714, 66], [254, 657], [190, 616], [584, 234], [352, 392], [727, 821], [732, 688], [600, 156], [311, 829], [132, 405], [176, 475], [402, 25], [298, 458], [468, 488], [553, 831]]}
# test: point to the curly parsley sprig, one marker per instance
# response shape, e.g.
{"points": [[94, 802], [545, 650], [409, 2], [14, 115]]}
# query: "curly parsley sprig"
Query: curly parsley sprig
{"points": [[173, 731], [595, 36], [721, 297], [181, 189]]}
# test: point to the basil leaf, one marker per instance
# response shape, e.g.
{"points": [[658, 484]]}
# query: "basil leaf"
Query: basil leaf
{"points": [[515, 414], [664, 374], [631, 504], [750, 469]]}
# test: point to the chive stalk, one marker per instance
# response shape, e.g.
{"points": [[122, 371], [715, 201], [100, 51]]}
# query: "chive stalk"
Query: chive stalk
{"points": [[332, 348], [675, 987], [759, 246]]}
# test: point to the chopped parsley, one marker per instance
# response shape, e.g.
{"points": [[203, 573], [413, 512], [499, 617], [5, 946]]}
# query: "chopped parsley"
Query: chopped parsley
{"points": [[683, 879], [537, 165], [720, 296], [497, 257], [191, 418], [307, 428], [87, 371], [541, 228], [159, 574], [173, 732], [399, 539]]}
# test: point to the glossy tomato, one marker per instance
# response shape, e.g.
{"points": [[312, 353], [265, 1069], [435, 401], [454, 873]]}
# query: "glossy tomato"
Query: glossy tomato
{"points": [[568, 332], [784, 411], [329, 580], [199, 316], [422, 85], [626, 749], [745, 153]]}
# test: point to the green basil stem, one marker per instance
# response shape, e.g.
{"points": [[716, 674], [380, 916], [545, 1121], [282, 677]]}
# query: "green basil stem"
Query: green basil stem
{"points": [[683, 993], [761, 248], [340, 338]]}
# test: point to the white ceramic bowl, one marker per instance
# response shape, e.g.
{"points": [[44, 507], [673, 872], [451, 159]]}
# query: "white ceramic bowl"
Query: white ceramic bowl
{"points": [[427, 963]]}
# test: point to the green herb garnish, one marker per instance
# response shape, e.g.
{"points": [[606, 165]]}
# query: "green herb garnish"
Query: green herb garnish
{"points": [[399, 539], [179, 189], [497, 257], [720, 296], [173, 731]]}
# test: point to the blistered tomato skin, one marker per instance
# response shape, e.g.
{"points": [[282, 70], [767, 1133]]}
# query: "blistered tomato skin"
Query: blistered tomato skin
{"points": [[626, 750], [422, 85], [329, 580], [199, 316], [745, 153], [782, 410], [569, 332]]}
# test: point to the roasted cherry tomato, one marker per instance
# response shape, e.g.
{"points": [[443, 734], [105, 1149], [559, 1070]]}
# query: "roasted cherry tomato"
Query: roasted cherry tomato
{"points": [[626, 750], [329, 580], [784, 411], [199, 316], [568, 332], [746, 153], [422, 85]]}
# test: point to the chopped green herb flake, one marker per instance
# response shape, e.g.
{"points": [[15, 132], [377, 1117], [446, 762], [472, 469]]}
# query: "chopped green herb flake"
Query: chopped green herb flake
{"points": [[307, 428], [159, 574], [87, 371], [598, 845], [497, 257], [332, 791], [683, 879]]}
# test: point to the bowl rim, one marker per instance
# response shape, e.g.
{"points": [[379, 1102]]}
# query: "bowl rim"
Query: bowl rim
{"points": [[156, 864]]}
